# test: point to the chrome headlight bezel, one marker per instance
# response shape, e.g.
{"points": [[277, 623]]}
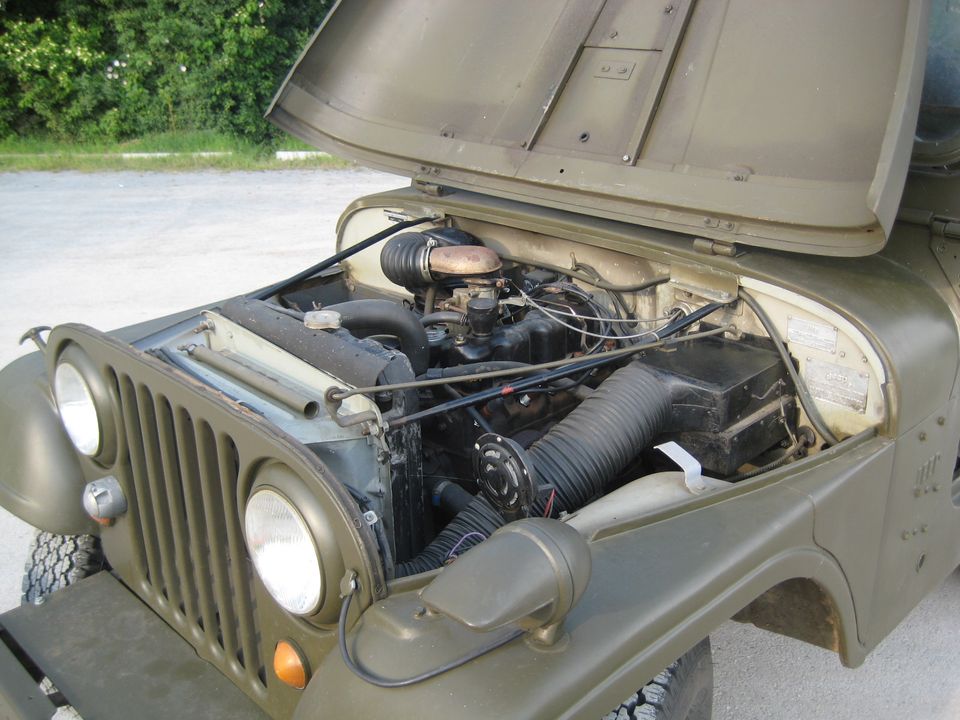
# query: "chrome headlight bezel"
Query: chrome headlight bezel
{"points": [[76, 380]]}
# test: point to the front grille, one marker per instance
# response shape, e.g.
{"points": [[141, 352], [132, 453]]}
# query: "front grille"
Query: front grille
{"points": [[180, 477], [187, 456]]}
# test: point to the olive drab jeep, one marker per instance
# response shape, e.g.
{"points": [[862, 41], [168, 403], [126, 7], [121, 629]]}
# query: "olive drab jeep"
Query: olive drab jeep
{"points": [[663, 332]]}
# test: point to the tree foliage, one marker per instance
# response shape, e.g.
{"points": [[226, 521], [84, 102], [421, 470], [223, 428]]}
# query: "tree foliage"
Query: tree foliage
{"points": [[88, 69]]}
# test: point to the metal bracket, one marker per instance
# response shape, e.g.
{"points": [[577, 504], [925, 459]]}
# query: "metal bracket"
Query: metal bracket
{"points": [[705, 282], [34, 334]]}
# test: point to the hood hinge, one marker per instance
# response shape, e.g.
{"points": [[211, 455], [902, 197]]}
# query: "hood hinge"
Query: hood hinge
{"points": [[430, 188], [948, 228], [715, 247], [941, 226]]}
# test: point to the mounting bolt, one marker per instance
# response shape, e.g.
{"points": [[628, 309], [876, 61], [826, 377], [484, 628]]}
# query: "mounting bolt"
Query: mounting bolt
{"points": [[626, 158], [922, 435], [941, 420]]}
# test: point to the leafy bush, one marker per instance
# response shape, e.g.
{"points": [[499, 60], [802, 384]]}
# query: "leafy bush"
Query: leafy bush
{"points": [[123, 68]]}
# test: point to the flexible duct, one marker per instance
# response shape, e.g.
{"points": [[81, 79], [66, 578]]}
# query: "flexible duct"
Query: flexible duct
{"points": [[472, 525], [577, 458], [591, 445], [416, 260]]}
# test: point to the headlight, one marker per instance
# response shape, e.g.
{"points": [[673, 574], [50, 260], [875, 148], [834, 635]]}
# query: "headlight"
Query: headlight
{"points": [[78, 411], [283, 552]]}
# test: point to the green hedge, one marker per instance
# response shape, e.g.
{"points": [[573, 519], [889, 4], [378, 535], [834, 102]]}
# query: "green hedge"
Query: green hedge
{"points": [[114, 69]]}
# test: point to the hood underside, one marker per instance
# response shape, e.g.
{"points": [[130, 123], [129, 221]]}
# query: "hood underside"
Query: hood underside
{"points": [[775, 123]]}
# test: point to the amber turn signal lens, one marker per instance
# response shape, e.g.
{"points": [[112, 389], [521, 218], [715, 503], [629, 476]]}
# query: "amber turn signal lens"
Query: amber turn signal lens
{"points": [[289, 665]]}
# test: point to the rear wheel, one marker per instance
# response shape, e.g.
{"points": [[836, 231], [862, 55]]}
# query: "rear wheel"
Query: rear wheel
{"points": [[683, 691], [56, 561]]}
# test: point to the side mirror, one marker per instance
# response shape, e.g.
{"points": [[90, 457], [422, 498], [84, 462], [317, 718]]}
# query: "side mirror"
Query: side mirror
{"points": [[530, 573]]}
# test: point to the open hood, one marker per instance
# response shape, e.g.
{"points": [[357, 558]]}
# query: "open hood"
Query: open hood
{"points": [[776, 123]]}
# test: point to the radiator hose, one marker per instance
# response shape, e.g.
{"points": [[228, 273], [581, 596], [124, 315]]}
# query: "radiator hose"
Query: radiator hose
{"points": [[576, 458], [374, 317]]}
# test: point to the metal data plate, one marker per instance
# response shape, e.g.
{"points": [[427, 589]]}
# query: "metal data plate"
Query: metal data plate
{"points": [[837, 384], [812, 334]]}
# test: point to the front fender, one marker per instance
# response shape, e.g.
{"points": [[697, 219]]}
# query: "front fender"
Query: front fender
{"points": [[658, 587], [40, 477]]}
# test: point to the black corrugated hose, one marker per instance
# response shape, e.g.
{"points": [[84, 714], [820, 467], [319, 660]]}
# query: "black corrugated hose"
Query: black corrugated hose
{"points": [[472, 525], [591, 445], [577, 457]]}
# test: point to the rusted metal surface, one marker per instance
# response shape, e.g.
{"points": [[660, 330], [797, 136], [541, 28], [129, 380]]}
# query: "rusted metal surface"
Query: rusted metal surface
{"points": [[463, 261]]}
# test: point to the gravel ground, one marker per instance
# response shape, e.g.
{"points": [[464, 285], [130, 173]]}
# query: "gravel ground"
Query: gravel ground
{"points": [[116, 248]]}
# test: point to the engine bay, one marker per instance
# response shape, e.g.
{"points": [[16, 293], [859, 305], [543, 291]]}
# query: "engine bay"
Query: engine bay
{"points": [[455, 383]]}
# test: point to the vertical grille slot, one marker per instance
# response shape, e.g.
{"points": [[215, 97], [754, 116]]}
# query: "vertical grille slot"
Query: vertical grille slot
{"points": [[181, 479], [147, 550], [194, 508], [227, 458], [216, 532], [176, 512], [168, 586]]}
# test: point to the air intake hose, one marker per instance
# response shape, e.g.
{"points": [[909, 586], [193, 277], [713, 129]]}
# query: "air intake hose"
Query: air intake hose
{"points": [[404, 260], [577, 458], [591, 445], [472, 525], [417, 260]]}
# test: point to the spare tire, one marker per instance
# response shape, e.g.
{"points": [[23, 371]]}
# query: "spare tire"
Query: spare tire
{"points": [[682, 691]]}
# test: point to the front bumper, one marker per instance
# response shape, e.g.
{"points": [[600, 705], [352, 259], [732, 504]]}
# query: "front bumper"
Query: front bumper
{"points": [[110, 657]]}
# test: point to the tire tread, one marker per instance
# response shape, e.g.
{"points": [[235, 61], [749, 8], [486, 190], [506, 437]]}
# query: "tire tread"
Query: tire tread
{"points": [[56, 561], [681, 691]]}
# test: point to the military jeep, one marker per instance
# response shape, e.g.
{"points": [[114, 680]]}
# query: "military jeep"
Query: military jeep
{"points": [[663, 332]]}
